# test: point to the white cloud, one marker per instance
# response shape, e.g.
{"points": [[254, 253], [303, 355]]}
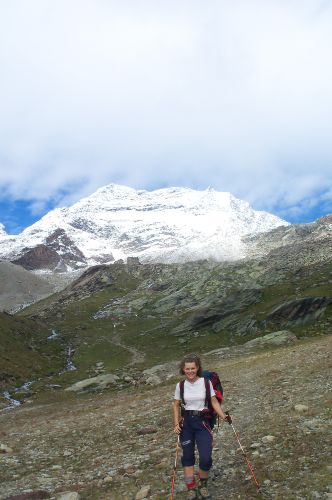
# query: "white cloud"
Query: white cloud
{"points": [[236, 95]]}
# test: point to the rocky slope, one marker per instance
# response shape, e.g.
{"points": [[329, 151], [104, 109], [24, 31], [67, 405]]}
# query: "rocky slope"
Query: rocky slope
{"points": [[153, 311], [288, 241], [19, 288], [120, 446], [166, 225]]}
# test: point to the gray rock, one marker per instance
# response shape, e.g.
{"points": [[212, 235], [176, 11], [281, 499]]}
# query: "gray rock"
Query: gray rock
{"points": [[5, 449], [268, 439], [144, 492], [301, 408], [101, 381], [165, 368], [153, 380], [146, 430], [275, 338], [255, 445], [68, 495]]}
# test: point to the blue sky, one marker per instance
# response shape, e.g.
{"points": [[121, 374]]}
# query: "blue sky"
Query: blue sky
{"points": [[234, 95]]}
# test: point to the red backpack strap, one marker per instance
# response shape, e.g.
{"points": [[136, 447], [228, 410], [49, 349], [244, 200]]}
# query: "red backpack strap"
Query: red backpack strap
{"points": [[207, 392], [182, 392]]}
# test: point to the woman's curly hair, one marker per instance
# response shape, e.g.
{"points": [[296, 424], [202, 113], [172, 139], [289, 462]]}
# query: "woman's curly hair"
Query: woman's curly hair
{"points": [[191, 358]]}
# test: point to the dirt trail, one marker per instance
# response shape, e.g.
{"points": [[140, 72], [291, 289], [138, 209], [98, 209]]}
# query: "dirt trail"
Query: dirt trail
{"points": [[137, 356], [109, 446]]}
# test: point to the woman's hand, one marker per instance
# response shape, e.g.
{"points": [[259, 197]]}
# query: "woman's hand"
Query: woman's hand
{"points": [[177, 428]]}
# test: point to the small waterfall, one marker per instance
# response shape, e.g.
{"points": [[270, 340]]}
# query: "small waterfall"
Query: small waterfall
{"points": [[54, 335], [70, 367], [13, 403]]}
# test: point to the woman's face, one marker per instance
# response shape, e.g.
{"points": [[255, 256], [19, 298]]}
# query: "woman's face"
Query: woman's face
{"points": [[190, 371]]}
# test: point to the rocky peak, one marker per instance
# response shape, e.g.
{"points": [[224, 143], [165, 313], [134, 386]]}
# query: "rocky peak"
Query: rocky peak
{"points": [[166, 225], [327, 219]]}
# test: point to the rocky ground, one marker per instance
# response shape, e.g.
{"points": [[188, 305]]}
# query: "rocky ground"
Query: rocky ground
{"points": [[118, 446]]}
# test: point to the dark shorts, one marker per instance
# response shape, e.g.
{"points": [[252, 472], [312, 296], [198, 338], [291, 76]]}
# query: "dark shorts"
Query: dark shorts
{"points": [[196, 431]]}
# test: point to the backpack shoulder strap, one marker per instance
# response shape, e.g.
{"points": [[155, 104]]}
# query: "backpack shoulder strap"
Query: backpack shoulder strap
{"points": [[207, 391], [182, 391]]}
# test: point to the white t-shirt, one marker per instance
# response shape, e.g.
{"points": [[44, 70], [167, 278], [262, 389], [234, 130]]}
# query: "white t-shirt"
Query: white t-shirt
{"points": [[194, 394]]}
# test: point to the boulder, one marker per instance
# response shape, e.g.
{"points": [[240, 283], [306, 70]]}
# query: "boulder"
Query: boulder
{"points": [[68, 495], [153, 380], [275, 338], [144, 492], [101, 382], [146, 430], [301, 408], [268, 439], [5, 449]]}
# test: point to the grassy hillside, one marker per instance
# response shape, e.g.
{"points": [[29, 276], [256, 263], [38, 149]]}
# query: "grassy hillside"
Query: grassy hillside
{"points": [[25, 351], [151, 313]]}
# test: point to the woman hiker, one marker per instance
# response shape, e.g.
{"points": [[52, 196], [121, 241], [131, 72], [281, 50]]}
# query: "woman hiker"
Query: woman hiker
{"points": [[193, 427]]}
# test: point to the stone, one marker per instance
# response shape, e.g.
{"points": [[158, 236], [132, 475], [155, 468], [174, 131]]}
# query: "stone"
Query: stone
{"points": [[101, 381], [108, 479], [146, 430], [162, 465], [268, 439], [68, 495], [153, 380], [275, 338], [5, 449], [301, 408], [144, 492], [253, 446]]}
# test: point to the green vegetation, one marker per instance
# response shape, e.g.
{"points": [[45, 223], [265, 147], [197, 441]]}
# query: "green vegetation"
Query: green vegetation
{"points": [[25, 352], [148, 314]]}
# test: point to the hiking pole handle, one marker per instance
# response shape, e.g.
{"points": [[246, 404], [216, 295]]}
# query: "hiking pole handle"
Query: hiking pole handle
{"points": [[228, 417]]}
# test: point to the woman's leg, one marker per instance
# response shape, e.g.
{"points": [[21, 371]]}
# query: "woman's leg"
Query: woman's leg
{"points": [[204, 440], [187, 438]]}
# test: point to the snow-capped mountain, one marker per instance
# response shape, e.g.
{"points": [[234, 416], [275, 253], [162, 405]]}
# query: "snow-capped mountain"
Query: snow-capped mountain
{"points": [[2, 230], [165, 225]]}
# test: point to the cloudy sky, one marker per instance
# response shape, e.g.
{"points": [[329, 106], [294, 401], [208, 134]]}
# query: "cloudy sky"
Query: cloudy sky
{"points": [[236, 95]]}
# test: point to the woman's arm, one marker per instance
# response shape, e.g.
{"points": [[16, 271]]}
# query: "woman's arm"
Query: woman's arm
{"points": [[177, 416], [217, 408]]}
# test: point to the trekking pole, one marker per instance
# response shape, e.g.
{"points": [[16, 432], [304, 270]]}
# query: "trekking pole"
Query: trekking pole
{"points": [[174, 468], [230, 421]]}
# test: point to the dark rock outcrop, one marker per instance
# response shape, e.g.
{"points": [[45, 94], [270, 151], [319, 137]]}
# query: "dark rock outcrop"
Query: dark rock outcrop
{"points": [[58, 253], [300, 310], [40, 257]]}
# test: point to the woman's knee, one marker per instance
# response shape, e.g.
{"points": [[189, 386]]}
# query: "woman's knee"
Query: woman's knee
{"points": [[188, 453], [205, 462]]}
